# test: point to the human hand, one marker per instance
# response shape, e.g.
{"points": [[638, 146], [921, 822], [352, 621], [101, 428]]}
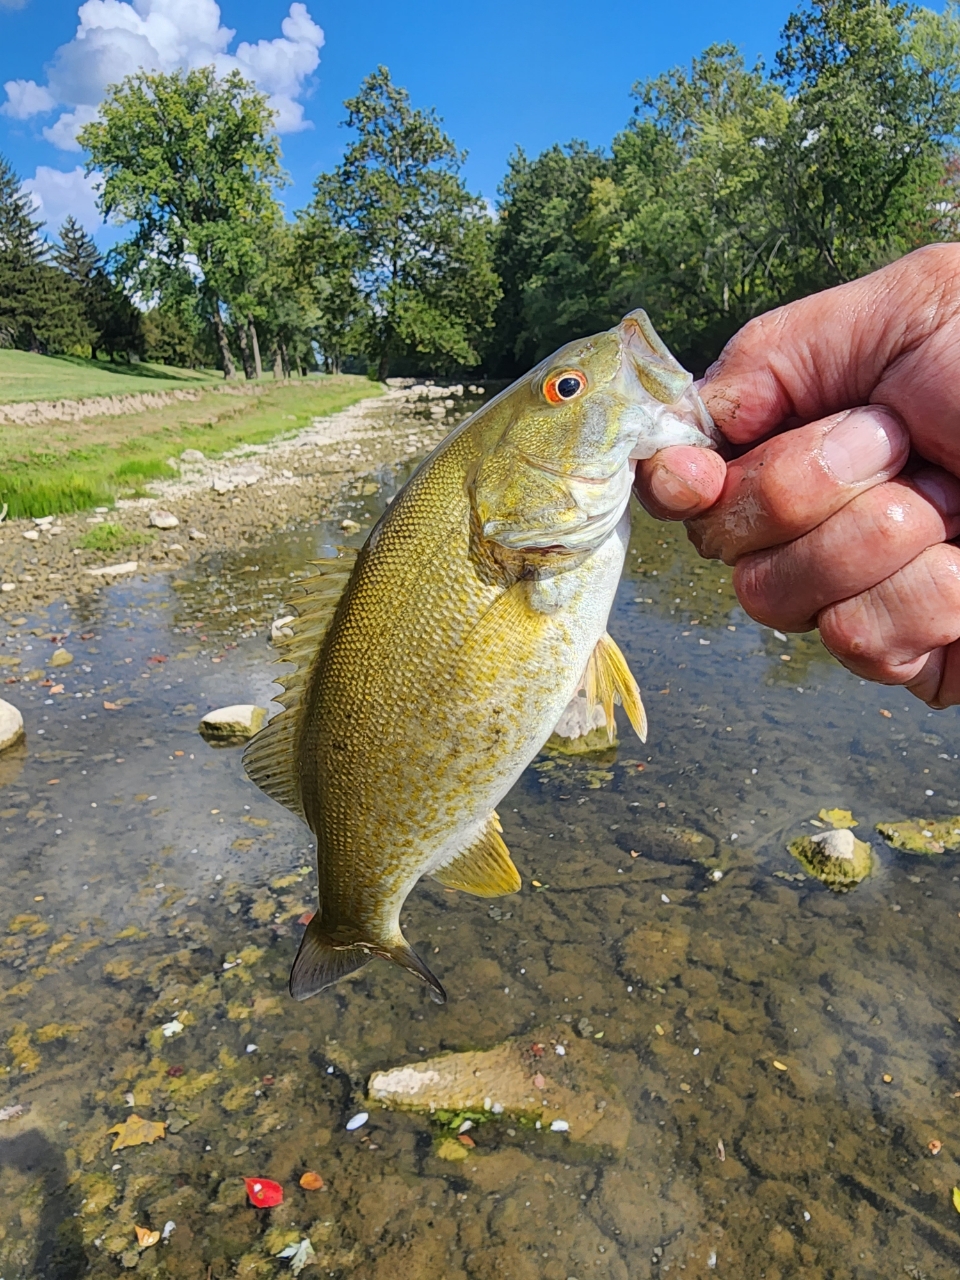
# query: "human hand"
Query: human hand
{"points": [[831, 396]]}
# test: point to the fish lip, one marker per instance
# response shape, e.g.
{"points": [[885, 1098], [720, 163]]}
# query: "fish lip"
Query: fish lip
{"points": [[539, 465]]}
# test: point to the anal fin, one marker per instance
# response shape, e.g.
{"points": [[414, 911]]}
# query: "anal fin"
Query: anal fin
{"points": [[485, 868], [608, 679]]}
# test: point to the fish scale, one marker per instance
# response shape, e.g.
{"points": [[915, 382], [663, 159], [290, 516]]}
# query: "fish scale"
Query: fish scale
{"points": [[471, 617]]}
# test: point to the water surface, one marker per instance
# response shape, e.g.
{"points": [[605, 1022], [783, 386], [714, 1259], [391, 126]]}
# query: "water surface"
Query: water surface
{"points": [[146, 882]]}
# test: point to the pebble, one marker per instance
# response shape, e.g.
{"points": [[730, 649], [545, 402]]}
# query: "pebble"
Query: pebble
{"points": [[11, 725], [32, 535], [193, 455], [113, 570], [61, 658], [163, 520], [559, 1126], [240, 721], [349, 526], [357, 1121]]}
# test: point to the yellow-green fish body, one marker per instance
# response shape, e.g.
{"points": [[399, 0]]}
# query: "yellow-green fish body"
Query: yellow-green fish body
{"points": [[473, 614]]}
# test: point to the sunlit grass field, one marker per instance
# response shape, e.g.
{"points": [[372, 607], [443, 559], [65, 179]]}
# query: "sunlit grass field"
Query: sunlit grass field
{"points": [[72, 466], [25, 376]]}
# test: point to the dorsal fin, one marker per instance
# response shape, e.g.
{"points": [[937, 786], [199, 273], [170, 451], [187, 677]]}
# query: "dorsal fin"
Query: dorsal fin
{"points": [[272, 759], [608, 679], [485, 868]]}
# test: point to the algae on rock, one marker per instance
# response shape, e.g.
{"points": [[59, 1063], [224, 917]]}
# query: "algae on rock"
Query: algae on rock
{"points": [[837, 858], [922, 835]]}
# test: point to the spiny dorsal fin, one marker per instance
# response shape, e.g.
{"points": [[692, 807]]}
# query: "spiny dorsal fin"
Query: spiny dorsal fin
{"points": [[609, 679], [272, 759], [485, 868]]}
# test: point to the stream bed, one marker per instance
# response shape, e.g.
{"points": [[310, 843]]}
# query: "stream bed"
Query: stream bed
{"points": [[782, 1056]]}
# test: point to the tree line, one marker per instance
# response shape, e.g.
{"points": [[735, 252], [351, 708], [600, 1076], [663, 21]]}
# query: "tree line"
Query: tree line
{"points": [[731, 189]]}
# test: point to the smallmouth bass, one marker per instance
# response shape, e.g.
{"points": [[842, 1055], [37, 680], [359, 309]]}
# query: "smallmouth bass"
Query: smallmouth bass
{"points": [[430, 671]]}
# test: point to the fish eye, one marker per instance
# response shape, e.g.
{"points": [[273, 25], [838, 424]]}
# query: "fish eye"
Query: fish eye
{"points": [[564, 386]]}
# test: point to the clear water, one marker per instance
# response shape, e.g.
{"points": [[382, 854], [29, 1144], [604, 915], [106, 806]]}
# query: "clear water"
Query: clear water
{"points": [[138, 864]]}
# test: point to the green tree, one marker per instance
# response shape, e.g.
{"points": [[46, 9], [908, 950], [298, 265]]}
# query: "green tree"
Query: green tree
{"points": [[192, 161], [330, 261], [114, 322], [550, 291], [875, 112], [420, 240]]}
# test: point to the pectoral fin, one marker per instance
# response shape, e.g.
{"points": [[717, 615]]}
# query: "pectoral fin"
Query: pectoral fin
{"points": [[609, 679], [485, 869]]}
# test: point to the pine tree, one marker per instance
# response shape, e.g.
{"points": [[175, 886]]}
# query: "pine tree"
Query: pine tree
{"points": [[21, 254], [114, 322]]}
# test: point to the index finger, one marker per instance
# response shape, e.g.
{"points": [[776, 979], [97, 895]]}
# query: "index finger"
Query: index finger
{"points": [[870, 341]]}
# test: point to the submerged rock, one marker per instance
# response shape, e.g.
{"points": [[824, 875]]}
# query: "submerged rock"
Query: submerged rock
{"points": [[528, 1082], [61, 658], [11, 725], [581, 729], [233, 724], [922, 835], [837, 858]]}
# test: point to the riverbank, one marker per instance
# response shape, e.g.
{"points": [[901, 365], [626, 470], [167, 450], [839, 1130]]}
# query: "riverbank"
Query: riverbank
{"points": [[222, 503]]}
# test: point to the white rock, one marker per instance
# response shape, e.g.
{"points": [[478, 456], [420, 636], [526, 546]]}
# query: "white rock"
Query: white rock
{"points": [[172, 1028], [357, 1121], [8, 586], [31, 534], [43, 521], [11, 725], [192, 455], [113, 570], [282, 629], [240, 721], [221, 486], [196, 536], [163, 520], [349, 526], [559, 1126], [837, 844]]}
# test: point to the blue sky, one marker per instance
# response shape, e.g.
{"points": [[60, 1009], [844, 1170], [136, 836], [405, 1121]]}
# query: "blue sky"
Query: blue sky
{"points": [[501, 74]]}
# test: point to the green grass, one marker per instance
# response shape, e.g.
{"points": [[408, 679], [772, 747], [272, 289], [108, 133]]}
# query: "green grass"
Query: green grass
{"points": [[73, 466], [113, 537], [25, 376]]}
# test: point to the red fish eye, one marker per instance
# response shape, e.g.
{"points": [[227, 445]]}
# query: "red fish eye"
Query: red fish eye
{"points": [[564, 386]]}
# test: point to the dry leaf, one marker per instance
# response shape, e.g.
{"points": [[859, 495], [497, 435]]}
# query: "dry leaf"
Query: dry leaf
{"points": [[934, 1146], [146, 1238], [135, 1131], [956, 1198], [466, 1139], [264, 1193], [311, 1181], [781, 1066], [111, 706]]}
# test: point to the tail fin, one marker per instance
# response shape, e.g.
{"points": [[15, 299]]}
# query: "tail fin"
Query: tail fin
{"points": [[324, 959]]}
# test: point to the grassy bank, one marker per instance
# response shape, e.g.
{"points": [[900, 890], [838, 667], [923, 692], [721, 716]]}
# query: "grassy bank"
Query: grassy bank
{"points": [[25, 376], [72, 466]]}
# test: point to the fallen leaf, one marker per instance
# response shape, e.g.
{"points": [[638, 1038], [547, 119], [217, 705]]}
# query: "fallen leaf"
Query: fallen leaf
{"points": [[311, 1181], [146, 1238], [57, 688], [887, 715], [111, 706], [301, 1255], [956, 1198], [538, 1081], [135, 1131], [781, 1066], [306, 917], [263, 1193], [934, 1146], [466, 1139], [838, 818]]}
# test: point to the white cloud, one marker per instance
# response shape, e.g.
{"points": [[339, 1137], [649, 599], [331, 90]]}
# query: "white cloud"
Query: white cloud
{"points": [[115, 38], [63, 132], [57, 194], [26, 98]]}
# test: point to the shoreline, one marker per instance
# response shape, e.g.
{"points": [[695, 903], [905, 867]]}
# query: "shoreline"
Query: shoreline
{"points": [[224, 503]]}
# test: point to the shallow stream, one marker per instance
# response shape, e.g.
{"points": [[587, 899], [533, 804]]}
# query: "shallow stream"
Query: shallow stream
{"points": [[782, 1056]]}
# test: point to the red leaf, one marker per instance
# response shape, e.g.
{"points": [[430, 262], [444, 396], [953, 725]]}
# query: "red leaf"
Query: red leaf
{"points": [[157, 657], [306, 917], [263, 1193]]}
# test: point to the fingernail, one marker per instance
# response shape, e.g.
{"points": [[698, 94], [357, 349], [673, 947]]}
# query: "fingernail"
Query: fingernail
{"points": [[940, 490], [864, 443], [672, 492]]}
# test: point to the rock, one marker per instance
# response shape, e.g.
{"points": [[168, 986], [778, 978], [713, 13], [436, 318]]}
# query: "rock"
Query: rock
{"points": [[196, 536], [11, 725], [221, 486], [922, 835], [163, 520], [837, 858], [32, 535], [500, 1081], [61, 658], [349, 526], [113, 570], [281, 629], [237, 723], [193, 455], [8, 586]]}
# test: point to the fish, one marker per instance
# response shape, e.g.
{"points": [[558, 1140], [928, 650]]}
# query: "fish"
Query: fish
{"points": [[431, 666]]}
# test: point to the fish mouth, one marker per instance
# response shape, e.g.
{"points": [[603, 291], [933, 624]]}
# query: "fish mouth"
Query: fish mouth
{"points": [[659, 372]]}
